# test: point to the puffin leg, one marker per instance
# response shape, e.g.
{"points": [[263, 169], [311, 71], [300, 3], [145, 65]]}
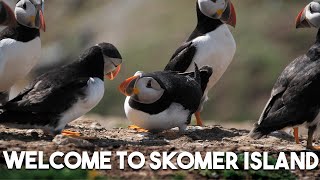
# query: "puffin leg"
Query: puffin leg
{"points": [[76, 135], [137, 128], [310, 139], [198, 118], [296, 135]]}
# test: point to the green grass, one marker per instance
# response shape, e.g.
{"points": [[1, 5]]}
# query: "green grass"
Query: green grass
{"points": [[180, 175]]}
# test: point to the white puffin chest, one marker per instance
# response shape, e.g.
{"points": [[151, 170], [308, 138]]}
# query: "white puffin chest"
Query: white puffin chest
{"points": [[215, 49], [94, 92], [174, 116], [17, 59]]}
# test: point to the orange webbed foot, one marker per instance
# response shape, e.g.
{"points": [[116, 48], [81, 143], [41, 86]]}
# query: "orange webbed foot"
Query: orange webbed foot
{"points": [[76, 135], [137, 128]]}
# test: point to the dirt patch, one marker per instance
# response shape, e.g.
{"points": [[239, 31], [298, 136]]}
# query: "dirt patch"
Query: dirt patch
{"points": [[203, 139]]}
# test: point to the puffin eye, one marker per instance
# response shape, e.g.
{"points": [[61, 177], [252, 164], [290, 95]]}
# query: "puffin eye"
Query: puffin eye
{"points": [[24, 6], [149, 84], [310, 9]]}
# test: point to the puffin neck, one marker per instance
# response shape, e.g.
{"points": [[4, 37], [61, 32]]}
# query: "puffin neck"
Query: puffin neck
{"points": [[25, 33], [204, 25], [314, 52]]}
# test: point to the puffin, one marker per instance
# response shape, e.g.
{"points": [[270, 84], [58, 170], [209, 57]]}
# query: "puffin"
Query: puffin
{"points": [[295, 99], [163, 100], [20, 44], [210, 44], [64, 94]]}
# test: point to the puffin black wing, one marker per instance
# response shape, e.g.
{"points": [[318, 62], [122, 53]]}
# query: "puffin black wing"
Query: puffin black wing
{"points": [[297, 104], [281, 85], [205, 74], [182, 58], [44, 97]]}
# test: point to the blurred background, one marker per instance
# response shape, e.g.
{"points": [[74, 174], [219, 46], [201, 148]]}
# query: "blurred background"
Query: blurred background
{"points": [[147, 32]]}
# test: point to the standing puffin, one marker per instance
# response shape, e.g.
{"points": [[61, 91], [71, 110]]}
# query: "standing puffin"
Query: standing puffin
{"points": [[62, 95], [210, 44], [20, 44], [295, 97], [163, 100]]}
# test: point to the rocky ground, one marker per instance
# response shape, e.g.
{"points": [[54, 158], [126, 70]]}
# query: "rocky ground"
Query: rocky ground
{"points": [[203, 139]]}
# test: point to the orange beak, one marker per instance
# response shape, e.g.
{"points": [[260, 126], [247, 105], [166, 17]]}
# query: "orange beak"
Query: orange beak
{"points": [[233, 20], [42, 21], [229, 15], [114, 73], [127, 87], [301, 21]]}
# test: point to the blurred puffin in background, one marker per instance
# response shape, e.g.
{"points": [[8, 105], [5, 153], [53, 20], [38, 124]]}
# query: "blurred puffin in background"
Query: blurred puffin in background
{"points": [[295, 98], [210, 44], [20, 44], [64, 94], [163, 100]]}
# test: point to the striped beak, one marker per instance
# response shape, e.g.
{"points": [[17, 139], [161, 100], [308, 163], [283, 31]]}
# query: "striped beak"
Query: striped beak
{"points": [[128, 88], [112, 75], [229, 15], [301, 21]]}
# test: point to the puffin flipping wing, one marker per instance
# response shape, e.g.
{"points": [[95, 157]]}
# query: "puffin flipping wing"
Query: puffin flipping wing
{"points": [[210, 44], [294, 98]]}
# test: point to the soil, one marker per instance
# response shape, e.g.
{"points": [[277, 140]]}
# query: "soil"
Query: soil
{"points": [[202, 139]]}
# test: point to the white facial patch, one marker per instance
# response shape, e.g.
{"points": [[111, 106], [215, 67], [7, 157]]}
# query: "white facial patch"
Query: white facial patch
{"points": [[25, 13], [313, 14], [210, 8], [138, 73], [110, 64], [149, 90]]}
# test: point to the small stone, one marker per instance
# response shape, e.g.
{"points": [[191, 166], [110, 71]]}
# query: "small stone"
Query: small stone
{"points": [[33, 133], [64, 140], [96, 126]]}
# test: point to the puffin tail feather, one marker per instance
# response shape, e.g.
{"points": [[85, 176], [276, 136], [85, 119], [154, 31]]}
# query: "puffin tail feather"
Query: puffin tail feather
{"points": [[205, 74], [256, 132]]}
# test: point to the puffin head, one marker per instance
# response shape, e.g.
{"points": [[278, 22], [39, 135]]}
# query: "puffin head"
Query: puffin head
{"points": [[142, 88], [30, 13], [112, 60], [219, 9], [309, 16]]}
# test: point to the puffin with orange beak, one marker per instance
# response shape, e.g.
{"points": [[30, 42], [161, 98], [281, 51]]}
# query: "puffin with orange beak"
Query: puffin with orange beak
{"points": [[62, 95], [210, 44], [295, 98], [163, 100], [20, 43]]}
